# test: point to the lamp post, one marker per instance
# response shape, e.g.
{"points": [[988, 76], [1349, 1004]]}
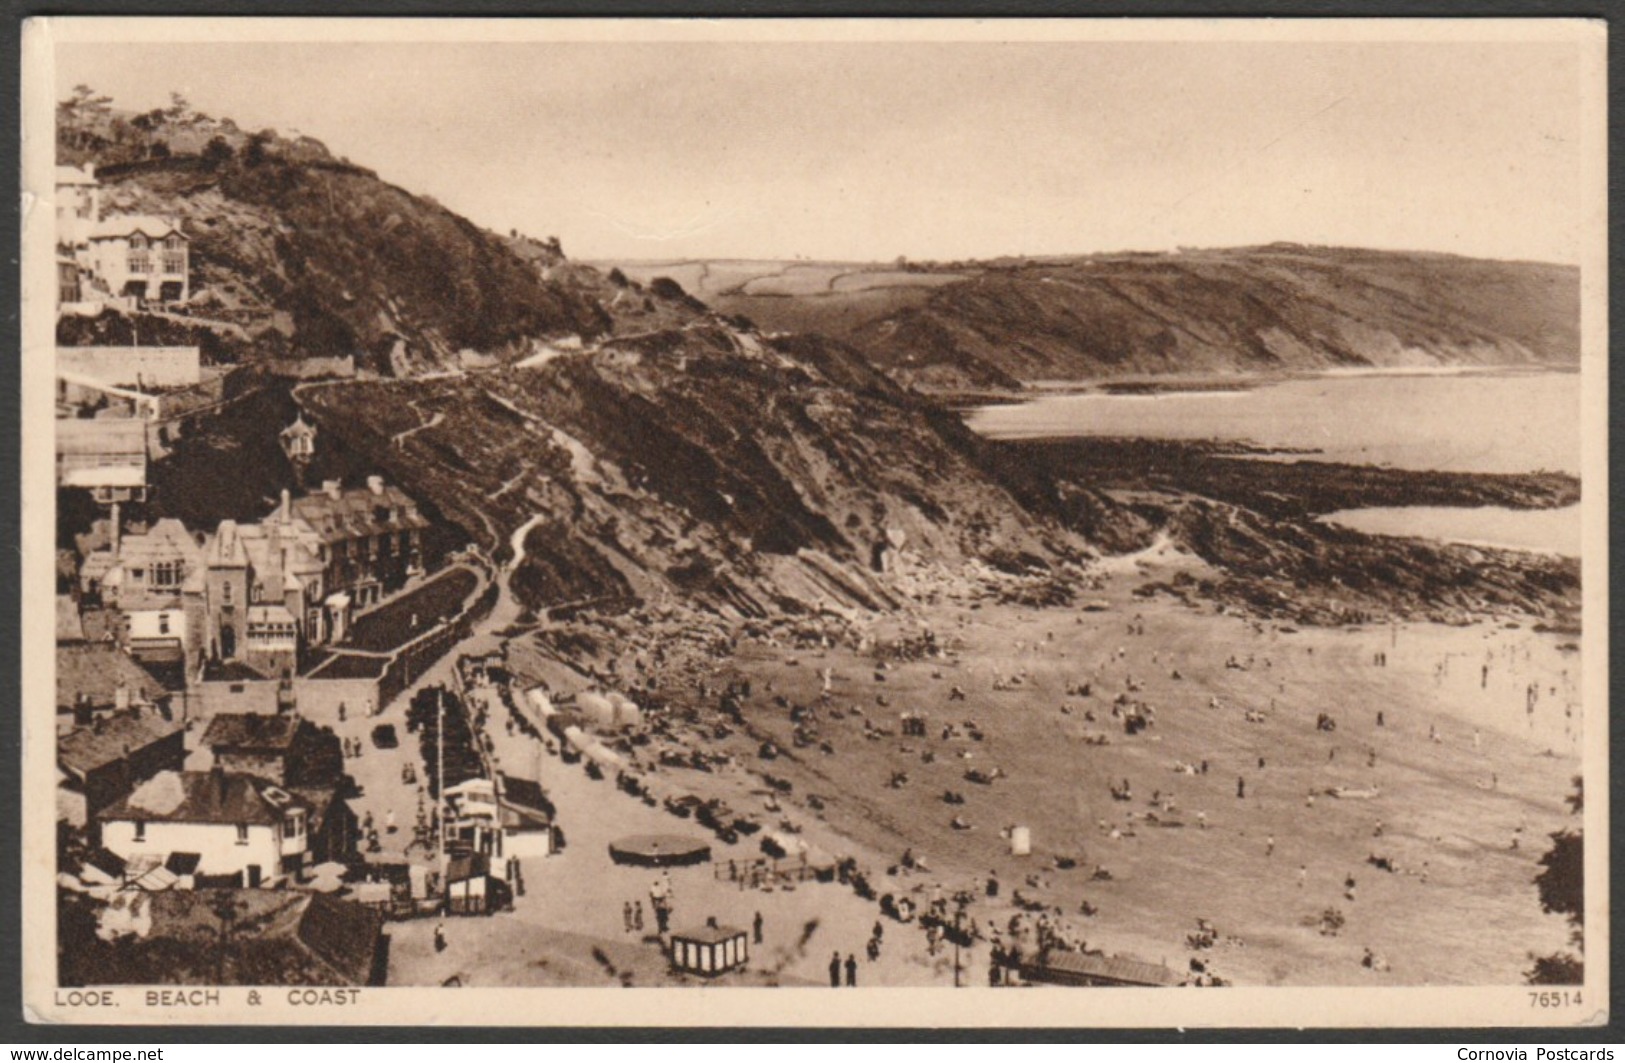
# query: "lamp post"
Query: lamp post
{"points": [[440, 776], [959, 914]]}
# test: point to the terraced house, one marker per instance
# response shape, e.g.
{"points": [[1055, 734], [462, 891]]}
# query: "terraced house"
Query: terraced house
{"points": [[371, 539], [258, 594]]}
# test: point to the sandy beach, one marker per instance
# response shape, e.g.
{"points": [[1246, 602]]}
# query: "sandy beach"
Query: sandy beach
{"points": [[1444, 809]]}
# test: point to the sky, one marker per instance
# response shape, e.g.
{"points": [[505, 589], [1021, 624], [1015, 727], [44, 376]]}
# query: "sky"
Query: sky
{"points": [[930, 150]]}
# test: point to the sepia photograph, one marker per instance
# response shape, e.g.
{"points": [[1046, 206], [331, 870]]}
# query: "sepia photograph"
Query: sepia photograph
{"points": [[540, 509]]}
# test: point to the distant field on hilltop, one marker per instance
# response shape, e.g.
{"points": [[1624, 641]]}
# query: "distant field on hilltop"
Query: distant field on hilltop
{"points": [[1281, 307], [787, 295]]}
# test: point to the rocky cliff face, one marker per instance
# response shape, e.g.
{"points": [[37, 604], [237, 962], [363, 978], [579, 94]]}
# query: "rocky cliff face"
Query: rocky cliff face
{"points": [[1281, 307], [636, 449], [700, 463], [328, 260], [296, 253]]}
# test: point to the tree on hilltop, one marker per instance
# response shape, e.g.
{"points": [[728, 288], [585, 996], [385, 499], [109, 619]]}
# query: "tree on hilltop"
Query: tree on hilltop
{"points": [[80, 116]]}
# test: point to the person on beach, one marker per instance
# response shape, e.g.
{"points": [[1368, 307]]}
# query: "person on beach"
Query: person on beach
{"points": [[756, 928], [851, 970], [835, 971], [626, 917]]}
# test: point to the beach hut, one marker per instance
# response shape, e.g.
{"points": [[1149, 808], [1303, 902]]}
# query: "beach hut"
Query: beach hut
{"points": [[471, 889], [710, 950], [1021, 841]]}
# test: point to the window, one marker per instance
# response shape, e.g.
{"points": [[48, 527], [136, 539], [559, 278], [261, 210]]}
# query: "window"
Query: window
{"points": [[173, 263], [163, 623], [242, 834], [138, 573], [254, 593], [225, 592], [173, 242], [296, 825], [140, 831], [166, 574], [138, 242]]}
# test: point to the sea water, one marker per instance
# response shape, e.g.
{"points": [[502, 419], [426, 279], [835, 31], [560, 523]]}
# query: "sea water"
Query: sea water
{"points": [[1479, 421]]}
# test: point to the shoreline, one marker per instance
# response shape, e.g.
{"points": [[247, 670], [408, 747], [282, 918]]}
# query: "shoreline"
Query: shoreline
{"points": [[1442, 812], [1180, 382], [967, 400]]}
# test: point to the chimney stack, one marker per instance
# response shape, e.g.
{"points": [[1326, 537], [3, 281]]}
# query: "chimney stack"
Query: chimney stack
{"points": [[331, 487], [219, 776], [287, 505], [375, 484], [114, 516], [121, 697]]}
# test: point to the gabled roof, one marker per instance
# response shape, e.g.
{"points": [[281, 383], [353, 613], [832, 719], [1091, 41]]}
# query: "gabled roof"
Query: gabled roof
{"points": [[344, 935], [205, 797], [226, 546], [252, 731], [96, 670], [318, 799], [166, 540], [300, 428], [356, 512], [126, 225], [111, 739]]}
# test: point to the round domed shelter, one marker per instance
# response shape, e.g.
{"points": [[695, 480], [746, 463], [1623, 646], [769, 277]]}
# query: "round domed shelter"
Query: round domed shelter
{"points": [[659, 850]]}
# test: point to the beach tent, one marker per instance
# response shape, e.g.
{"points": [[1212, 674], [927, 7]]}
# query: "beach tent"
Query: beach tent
{"points": [[782, 845], [538, 700], [627, 713], [603, 756], [597, 711]]}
